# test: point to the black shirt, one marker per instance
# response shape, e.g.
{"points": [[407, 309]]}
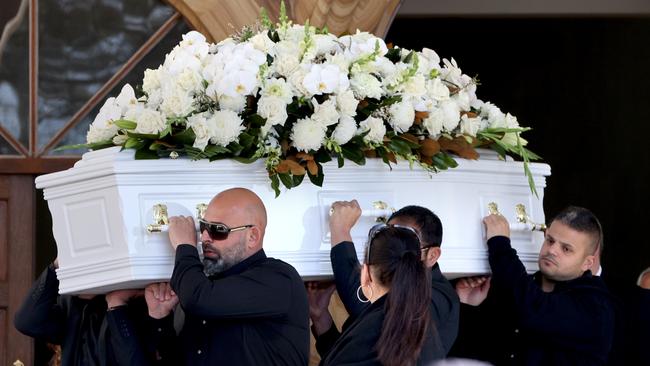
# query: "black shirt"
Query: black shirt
{"points": [[255, 313], [444, 308]]}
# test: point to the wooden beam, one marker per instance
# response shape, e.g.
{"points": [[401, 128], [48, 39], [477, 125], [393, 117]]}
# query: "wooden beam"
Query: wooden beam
{"points": [[21, 165]]}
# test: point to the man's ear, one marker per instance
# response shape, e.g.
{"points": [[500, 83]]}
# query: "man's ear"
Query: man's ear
{"points": [[431, 256], [588, 263], [254, 237]]}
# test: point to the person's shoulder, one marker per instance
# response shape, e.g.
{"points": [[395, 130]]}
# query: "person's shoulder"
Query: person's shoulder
{"points": [[279, 266]]}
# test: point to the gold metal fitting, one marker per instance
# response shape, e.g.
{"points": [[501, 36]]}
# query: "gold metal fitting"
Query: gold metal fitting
{"points": [[493, 208], [523, 217], [160, 218], [200, 210]]}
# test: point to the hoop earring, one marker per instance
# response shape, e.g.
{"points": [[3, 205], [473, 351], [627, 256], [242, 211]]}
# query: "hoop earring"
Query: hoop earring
{"points": [[359, 296]]}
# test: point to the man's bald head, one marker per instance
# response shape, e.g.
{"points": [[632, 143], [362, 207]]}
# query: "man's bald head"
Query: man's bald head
{"points": [[236, 207]]}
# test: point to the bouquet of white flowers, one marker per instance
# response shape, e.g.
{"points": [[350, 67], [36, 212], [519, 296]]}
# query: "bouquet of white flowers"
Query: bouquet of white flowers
{"points": [[298, 96]]}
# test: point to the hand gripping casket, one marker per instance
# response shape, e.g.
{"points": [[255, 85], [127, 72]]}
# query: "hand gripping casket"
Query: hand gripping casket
{"points": [[102, 207]]}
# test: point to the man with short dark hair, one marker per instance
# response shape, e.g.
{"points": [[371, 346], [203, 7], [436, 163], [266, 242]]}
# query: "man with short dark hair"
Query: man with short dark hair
{"points": [[561, 315], [241, 307], [345, 265]]}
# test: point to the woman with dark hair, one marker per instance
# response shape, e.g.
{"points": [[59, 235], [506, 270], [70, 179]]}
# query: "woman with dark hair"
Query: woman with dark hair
{"points": [[392, 330]]}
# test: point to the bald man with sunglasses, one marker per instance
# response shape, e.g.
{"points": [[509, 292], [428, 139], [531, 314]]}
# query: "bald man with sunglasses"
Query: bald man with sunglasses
{"points": [[241, 307]]}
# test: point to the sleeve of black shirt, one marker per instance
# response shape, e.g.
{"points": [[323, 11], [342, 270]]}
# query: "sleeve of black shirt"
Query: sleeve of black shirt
{"points": [[347, 269], [325, 341], [562, 317], [446, 307], [644, 326], [259, 292], [41, 315]]}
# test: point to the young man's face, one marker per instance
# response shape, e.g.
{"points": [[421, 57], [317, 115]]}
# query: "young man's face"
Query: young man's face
{"points": [[566, 253], [430, 255]]}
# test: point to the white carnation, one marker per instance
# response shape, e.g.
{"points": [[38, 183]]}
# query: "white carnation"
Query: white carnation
{"points": [[345, 130], [450, 115], [347, 103], [225, 127], [470, 126], [176, 102], [198, 124], [151, 80], [148, 121], [325, 113], [376, 128], [287, 58], [307, 135], [366, 86], [433, 123], [495, 117], [402, 116], [277, 88], [273, 109]]}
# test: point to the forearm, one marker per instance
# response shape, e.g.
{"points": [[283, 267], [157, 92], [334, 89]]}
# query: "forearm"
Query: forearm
{"points": [[346, 269]]}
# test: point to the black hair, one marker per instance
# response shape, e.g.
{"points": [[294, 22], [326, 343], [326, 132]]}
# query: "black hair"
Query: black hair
{"points": [[394, 259], [428, 224], [583, 220]]}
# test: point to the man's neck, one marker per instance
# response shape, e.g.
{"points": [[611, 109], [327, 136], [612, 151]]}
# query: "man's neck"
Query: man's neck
{"points": [[547, 285]]}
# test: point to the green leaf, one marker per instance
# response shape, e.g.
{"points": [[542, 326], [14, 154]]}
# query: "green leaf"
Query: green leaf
{"points": [[142, 135], [185, 137], [125, 124], [353, 153], [297, 180], [133, 143], [285, 178], [246, 140], [318, 178], [275, 184], [340, 160], [399, 146], [95, 146], [145, 153], [393, 55], [256, 121], [245, 160]]}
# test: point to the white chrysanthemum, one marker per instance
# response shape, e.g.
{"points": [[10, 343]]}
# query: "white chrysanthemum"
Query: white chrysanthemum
{"points": [[347, 103], [366, 86], [376, 128], [236, 104], [345, 130], [176, 102], [324, 79], [470, 126], [277, 88], [198, 124], [437, 90], [307, 135], [402, 116], [225, 127], [325, 112], [433, 123], [273, 109], [450, 115]]}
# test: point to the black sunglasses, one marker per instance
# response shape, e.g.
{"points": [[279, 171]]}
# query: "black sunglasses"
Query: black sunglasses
{"points": [[218, 230], [381, 227]]}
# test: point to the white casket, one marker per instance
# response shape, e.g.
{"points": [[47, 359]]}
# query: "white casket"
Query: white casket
{"points": [[102, 206]]}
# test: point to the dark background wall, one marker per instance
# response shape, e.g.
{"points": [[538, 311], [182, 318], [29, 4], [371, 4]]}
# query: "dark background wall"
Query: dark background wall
{"points": [[582, 85]]}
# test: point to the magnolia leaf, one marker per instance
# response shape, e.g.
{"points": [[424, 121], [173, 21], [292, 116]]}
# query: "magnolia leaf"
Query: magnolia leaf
{"points": [[304, 156], [340, 160], [142, 135], [354, 154], [146, 153], [312, 166], [317, 179], [133, 143], [399, 146], [126, 124], [94, 146], [186, 137], [282, 167], [429, 147], [294, 168], [420, 116], [458, 146], [297, 179], [275, 184], [286, 180]]}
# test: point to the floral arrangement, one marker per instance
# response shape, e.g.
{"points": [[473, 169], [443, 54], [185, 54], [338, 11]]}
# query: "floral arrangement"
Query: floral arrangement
{"points": [[298, 96]]}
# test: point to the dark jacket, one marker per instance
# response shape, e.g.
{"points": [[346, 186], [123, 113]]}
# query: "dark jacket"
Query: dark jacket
{"points": [[356, 345], [444, 300], [87, 333], [255, 313], [520, 324]]}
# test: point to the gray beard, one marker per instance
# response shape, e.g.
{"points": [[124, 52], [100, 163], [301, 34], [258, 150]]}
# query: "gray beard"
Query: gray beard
{"points": [[214, 266]]}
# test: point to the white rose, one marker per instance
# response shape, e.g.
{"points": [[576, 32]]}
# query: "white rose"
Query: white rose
{"points": [[433, 123], [376, 128], [347, 103], [198, 124], [402, 116], [345, 130], [277, 88], [325, 43], [273, 109], [307, 135], [366, 86], [325, 112], [510, 138], [189, 80], [296, 82], [469, 126], [151, 80], [225, 127], [450, 115], [237, 103], [287, 58], [148, 121], [262, 42], [103, 128]]}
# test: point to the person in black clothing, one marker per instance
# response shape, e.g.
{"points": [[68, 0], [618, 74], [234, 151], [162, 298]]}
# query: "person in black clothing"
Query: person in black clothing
{"points": [[392, 330], [91, 330], [561, 315], [241, 307], [444, 303]]}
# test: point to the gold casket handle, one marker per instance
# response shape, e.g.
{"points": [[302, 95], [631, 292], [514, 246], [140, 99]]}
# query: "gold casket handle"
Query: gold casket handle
{"points": [[161, 217], [523, 221]]}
